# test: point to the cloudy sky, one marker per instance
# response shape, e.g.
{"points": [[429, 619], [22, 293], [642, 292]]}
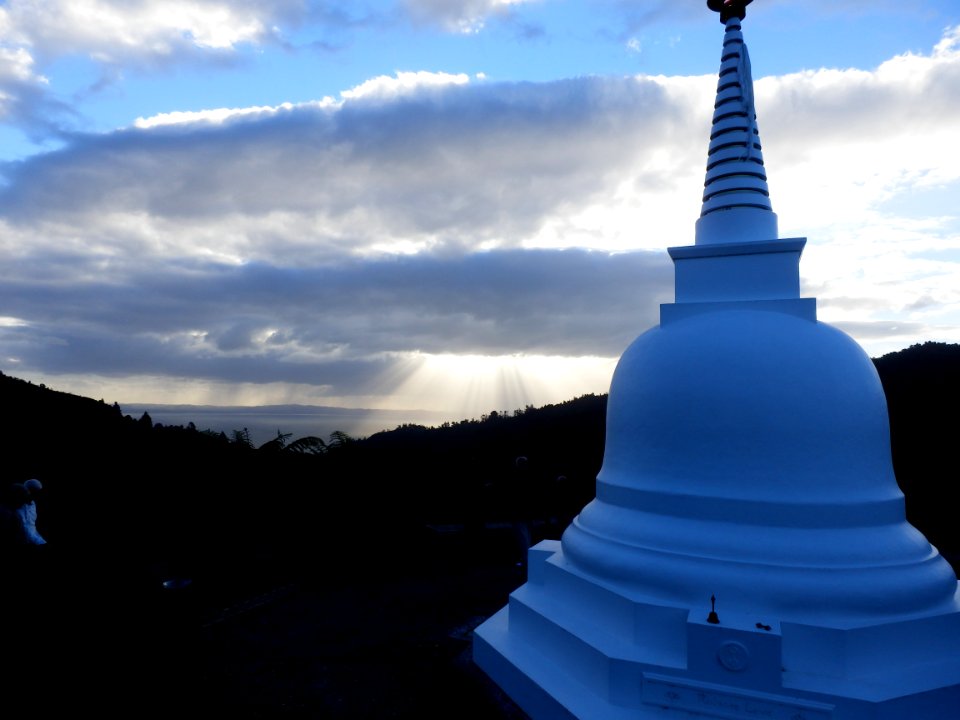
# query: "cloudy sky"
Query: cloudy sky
{"points": [[455, 205]]}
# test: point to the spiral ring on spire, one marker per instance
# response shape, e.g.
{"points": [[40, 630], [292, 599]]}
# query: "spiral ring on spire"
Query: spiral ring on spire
{"points": [[735, 174]]}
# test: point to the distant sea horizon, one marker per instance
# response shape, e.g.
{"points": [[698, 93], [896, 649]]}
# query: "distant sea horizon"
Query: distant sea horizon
{"points": [[263, 422]]}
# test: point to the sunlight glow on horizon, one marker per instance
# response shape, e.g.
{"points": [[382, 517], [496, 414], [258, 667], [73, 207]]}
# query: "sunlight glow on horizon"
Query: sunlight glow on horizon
{"points": [[473, 385], [459, 386]]}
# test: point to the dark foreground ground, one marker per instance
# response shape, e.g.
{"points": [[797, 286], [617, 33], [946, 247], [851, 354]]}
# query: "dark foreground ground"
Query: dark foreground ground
{"points": [[384, 633], [374, 632]]}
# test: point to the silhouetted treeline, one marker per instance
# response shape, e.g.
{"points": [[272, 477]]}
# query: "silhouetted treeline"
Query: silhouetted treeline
{"points": [[140, 501], [922, 385]]}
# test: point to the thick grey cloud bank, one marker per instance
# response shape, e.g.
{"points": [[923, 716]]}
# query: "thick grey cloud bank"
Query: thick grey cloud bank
{"points": [[264, 249], [334, 325], [455, 165]]}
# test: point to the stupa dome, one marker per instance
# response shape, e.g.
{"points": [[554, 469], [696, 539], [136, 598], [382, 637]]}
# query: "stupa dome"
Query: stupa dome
{"points": [[748, 456], [750, 406]]}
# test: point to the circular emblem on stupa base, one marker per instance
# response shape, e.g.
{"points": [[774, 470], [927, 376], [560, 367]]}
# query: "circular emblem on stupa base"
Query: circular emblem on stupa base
{"points": [[733, 656]]}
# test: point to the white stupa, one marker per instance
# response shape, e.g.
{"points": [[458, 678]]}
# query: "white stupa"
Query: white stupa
{"points": [[747, 462]]}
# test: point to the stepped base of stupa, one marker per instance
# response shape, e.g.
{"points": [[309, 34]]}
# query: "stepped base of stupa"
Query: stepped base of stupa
{"points": [[572, 646]]}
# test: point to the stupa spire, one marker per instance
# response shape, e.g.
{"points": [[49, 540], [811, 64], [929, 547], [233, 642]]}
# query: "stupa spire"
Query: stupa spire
{"points": [[736, 200]]}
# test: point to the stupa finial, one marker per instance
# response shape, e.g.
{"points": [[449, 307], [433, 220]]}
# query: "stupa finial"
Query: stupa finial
{"points": [[736, 200], [729, 8]]}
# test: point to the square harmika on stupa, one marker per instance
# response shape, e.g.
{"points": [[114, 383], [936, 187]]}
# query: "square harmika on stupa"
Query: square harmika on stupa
{"points": [[747, 554]]}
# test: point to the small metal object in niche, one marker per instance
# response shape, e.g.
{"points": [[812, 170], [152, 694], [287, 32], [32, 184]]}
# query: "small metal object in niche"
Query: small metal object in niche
{"points": [[713, 617]]}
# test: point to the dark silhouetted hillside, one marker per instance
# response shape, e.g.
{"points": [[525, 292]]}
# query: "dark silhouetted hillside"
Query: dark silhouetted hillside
{"points": [[180, 496], [922, 385], [438, 516]]}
